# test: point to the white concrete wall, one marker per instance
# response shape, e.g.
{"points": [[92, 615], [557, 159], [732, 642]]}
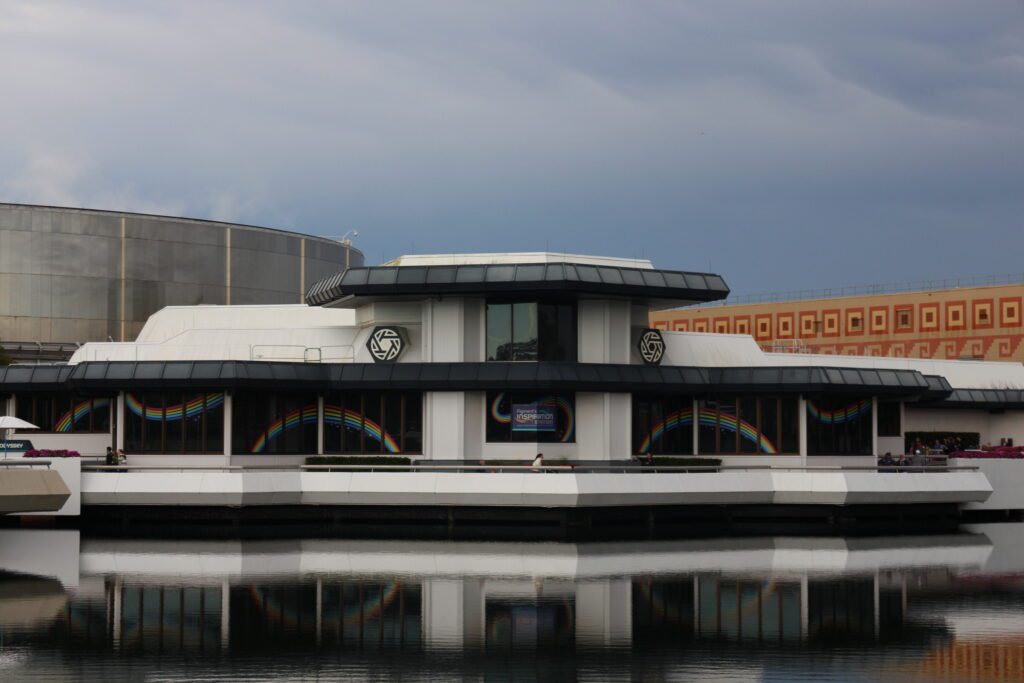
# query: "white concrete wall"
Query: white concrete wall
{"points": [[1009, 424], [1007, 478], [70, 470], [444, 424], [86, 444], [919, 419]]}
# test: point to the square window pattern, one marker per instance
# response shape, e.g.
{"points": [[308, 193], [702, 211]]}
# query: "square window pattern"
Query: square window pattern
{"points": [[1009, 312], [742, 325], [808, 325], [904, 318], [830, 323], [929, 316]]}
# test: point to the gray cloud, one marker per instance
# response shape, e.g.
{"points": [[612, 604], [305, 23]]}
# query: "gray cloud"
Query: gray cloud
{"points": [[787, 144]]}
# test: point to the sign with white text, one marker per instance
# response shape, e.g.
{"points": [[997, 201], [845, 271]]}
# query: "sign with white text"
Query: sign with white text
{"points": [[530, 417]]}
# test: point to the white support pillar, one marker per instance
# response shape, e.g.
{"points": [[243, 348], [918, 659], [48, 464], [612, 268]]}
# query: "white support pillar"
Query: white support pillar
{"points": [[228, 419], [874, 426], [319, 429], [120, 422], [225, 615], [805, 609], [802, 422], [696, 426]]}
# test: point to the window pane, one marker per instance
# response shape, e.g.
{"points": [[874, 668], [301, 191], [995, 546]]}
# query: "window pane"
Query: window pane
{"points": [[707, 434], [214, 423], [499, 332], [663, 425], [727, 426], [413, 423], [524, 331], [840, 426], [789, 429], [769, 442], [173, 413], [747, 426]]}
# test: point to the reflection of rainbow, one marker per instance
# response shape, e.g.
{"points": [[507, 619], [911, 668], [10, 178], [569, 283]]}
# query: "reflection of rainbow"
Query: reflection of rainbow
{"points": [[304, 415], [708, 418], [79, 411], [173, 413], [548, 401], [373, 607], [846, 414], [354, 420]]}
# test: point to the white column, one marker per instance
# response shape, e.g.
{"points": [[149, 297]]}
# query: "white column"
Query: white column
{"points": [[319, 428], [120, 422], [874, 426], [805, 609], [225, 615], [802, 422], [116, 614], [696, 426], [320, 607], [228, 412]]}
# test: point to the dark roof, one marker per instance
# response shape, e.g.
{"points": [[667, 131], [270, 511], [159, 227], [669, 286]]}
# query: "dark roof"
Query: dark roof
{"points": [[107, 376], [984, 399], [563, 278]]}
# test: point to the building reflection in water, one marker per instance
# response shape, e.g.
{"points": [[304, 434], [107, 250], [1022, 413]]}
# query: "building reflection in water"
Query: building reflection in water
{"points": [[540, 605]]}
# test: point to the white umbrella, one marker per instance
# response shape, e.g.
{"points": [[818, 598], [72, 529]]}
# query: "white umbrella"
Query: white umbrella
{"points": [[9, 422]]}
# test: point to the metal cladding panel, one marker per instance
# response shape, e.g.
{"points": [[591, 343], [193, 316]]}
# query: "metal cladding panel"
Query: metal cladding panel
{"points": [[61, 269], [563, 278], [105, 376]]}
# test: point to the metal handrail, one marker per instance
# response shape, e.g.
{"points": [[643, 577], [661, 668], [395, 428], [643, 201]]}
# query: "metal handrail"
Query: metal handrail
{"points": [[622, 469], [25, 463]]}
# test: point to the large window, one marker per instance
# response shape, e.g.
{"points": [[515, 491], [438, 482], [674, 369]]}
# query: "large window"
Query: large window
{"points": [[65, 413], [889, 423], [531, 417], [274, 424], [663, 425], [749, 425], [839, 426], [174, 422], [373, 422], [531, 331]]}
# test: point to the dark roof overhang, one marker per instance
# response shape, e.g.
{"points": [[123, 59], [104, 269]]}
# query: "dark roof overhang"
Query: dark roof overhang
{"points": [[667, 287], [23, 378], [982, 399], [108, 376]]}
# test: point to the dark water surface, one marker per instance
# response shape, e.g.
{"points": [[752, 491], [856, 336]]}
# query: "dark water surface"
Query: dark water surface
{"points": [[908, 608]]}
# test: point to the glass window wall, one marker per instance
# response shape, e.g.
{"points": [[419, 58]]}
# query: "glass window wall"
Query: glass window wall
{"points": [[663, 425], [839, 426], [748, 425], [531, 331], [64, 413], [373, 422], [174, 422], [274, 424]]}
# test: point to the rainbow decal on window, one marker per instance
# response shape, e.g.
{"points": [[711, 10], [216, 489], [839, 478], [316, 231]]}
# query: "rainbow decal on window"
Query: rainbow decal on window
{"points": [[354, 420], [555, 401], [680, 418], [175, 412], [300, 416], [708, 418], [78, 412], [846, 414]]}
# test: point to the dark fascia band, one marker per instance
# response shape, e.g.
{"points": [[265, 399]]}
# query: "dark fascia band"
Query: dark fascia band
{"points": [[983, 399], [565, 279], [105, 376]]}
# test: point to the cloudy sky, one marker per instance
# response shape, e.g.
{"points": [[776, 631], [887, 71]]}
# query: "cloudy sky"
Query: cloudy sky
{"points": [[786, 144]]}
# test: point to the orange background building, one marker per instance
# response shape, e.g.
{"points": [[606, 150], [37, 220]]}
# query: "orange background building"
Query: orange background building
{"points": [[968, 323]]}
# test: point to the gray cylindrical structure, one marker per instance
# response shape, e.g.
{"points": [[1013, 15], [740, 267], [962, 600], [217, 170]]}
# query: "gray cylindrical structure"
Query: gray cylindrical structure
{"points": [[78, 275]]}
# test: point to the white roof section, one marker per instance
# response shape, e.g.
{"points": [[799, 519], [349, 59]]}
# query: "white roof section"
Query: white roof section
{"points": [[281, 332], [516, 257], [703, 349]]}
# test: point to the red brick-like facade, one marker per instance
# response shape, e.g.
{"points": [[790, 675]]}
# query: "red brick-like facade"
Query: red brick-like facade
{"points": [[983, 322]]}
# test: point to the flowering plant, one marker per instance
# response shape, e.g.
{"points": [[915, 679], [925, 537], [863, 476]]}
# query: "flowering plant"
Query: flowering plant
{"points": [[46, 453], [998, 453]]}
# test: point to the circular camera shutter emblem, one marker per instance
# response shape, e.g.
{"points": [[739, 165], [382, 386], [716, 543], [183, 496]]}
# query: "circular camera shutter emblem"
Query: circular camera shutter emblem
{"points": [[385, 344], [651, 346]]}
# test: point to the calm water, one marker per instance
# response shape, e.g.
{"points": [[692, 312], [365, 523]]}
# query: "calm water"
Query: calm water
{"points": [[912, 608]]}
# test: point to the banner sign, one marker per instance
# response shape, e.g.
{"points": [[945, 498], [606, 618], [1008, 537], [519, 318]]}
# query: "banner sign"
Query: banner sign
{"points": [[530, 417], [15, 445]]}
